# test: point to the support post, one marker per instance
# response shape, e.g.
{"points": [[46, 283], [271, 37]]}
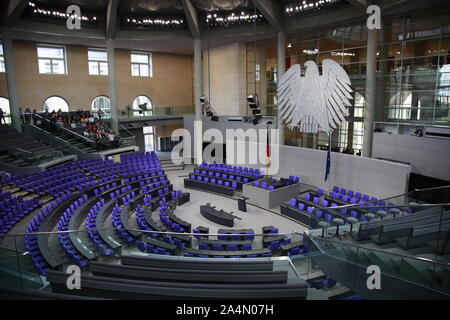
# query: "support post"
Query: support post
{"points": [[371, 84], [11, 80], [112, 84], [281, 60], [198, 134]]}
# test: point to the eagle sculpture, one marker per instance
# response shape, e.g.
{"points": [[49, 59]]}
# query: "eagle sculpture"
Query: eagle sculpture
{"points": [[314, 102]]}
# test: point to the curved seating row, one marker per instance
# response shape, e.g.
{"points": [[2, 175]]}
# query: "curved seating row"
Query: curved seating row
{"points": [[13, 209], [93, 234], [64, 237], [31, 240]]}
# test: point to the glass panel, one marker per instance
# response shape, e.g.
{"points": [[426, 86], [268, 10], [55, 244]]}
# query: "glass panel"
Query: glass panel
{"points": [[134, 69], [99, 55], [2, 64], [50, 52], [103, 68], [58, 66], [139, 58], [93, 68], [1, 49], [149, 142], [144, 72], [45, 66]]}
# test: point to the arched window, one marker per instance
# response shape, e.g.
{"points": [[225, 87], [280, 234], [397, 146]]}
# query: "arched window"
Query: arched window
{"points": [[4, 105], [142, 106], [101, 102], [55, 103]]}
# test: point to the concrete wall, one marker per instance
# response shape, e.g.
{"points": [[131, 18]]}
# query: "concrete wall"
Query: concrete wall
{"points": [[79, 88], [227, 76], [428, 156]]}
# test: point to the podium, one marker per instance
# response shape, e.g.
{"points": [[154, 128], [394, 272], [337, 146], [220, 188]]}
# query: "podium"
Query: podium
{"points": [[242, 204]]}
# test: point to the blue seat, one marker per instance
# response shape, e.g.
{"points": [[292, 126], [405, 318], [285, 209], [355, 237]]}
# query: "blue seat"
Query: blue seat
{"points": [[301, 206], [217, 247], [307, 197], [203, 246], [232, 247], [274, 245], [293, 202]]}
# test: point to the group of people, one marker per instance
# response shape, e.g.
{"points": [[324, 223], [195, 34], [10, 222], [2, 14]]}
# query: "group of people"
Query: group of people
{"points": [[95, 133]]}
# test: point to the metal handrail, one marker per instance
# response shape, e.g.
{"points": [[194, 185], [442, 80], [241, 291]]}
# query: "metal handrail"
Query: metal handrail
{"points": [[148, 231], [433, 188], [360, 205], [423, 259], [132, 135]]}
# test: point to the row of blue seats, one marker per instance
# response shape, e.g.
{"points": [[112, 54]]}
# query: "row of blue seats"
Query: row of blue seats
{"points": [[152, 186], [228, 247], [149, 248], [31, 239], [263, 185], [117, 224], [64, 238], [227, 184], [91, 226], [163, 216], [218, 175], [251, 172], [13, 211], [140, 177], [104, 188]]}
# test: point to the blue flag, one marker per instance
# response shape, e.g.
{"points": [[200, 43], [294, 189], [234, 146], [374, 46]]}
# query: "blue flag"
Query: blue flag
{"points": [[327, 167]]}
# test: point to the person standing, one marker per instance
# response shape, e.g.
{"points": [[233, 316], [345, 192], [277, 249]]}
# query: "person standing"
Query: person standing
{"points": [[100, 113], [2, 116]]}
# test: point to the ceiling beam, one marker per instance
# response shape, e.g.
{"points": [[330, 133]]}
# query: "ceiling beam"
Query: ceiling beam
{"points": [[111, 18], [15, 10], [272, 11], [192, 18]]}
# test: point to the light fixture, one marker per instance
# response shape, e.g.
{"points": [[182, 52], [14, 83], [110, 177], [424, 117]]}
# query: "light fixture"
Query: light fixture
{"points": [[303, 6]]}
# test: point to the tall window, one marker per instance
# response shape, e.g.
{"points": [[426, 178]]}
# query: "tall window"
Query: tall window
{"points": [[2, 59], [101, 102], [4, 105], [51, 59], [142, 105], [98, 62], [141, 64], [55, 103], [149, 138]]}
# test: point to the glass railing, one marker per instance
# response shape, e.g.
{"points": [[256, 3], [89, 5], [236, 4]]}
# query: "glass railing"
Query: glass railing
{"points": [[126, 113], [325, 263], [24, 258], [401, 276]]}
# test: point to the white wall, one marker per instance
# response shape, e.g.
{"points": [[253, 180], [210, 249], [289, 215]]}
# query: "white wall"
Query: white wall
{"points": [[227, 76], [428, 156]]}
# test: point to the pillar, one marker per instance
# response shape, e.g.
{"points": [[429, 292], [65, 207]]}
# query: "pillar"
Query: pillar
{"points": [[198, 132], [281, 56], [112, 84], [11, 80], [371, 83]]}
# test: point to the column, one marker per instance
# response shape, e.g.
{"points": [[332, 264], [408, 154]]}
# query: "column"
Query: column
{"points": [[112, 84], [371, 83], [11, 79], [198, 132], [281, 61]]}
